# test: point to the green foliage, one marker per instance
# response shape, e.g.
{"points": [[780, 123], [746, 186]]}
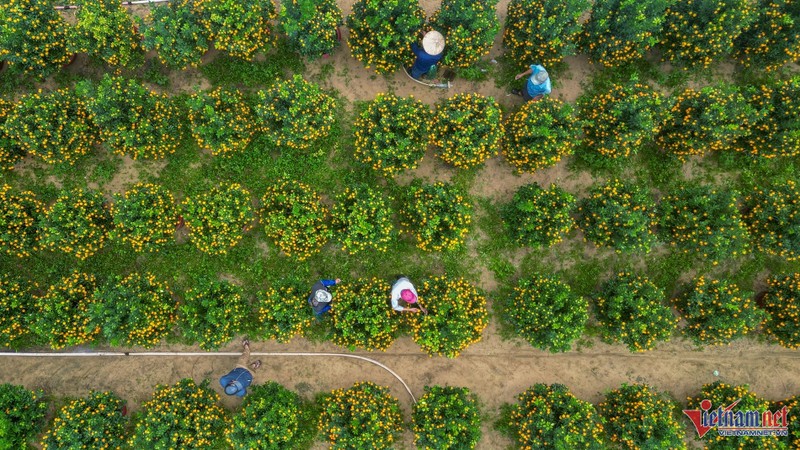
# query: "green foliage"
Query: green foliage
{"points": [[773, 39], [176, 31], [542, 31], [184, 415], [382, 31], [550, 417], [438, 216], [362, 219], [19, 214], [362, 316], [711, 118], [717, 312], [227, 70], [446, 418], [105, 30], [539, 217], [540, 134], [773, 217], [33, 36], [271, 418], [704, 221], [391, 134], [133, 120], [722, 395], [135, 310], [544, 311], [467, 130], [239, 28], [776, 131], [16, 312], [639, 417], [218, 218], [294, 217], [22, 414], [698, 33], [792, 404], [620, 215], [363, 416], [212, 313], [54, 126], [144, 217], [620, 32], [10, 150], [282, 312], [77, 223], [94, 422], [455, 319], [782, 303], [619, 119], [310, 26], [631, 310], [221, 121], [62, 314], [295, 113], [469, 28]]}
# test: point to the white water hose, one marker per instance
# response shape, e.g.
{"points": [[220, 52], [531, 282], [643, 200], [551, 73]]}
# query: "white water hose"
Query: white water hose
{"points": [[440, 85], [342, 355]]}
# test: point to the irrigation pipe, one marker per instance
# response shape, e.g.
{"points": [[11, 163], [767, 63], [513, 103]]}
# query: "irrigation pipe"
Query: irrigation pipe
{"points": [[125, 3], [441, 85], [343, 355]]}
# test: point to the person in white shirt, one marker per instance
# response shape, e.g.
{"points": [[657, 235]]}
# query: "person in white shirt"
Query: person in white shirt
{"points": [[404, 291]]}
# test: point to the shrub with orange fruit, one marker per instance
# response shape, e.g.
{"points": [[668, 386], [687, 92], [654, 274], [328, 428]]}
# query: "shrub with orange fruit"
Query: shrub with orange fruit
{"points": [[391, 133], [772, 215], [105, 30], [33, 36], [20, 213], [184, 415], [782, 303], [467, 130], [455, 319], [144, 217], [382, 31], [212, 313], [539, 217], [221, 120], [135, 310], [362, 317], [176, 31], [717, 313], [95, 422], [282, 311], [62, 314], [10, 150], [363, 416], [446, 418], [638, 416], [362, 219], [218, 218], [437, 215], [16, 311], [239, 28], [540, 134], [311, 26], [77, 223], [773, 39], [469, 28]]}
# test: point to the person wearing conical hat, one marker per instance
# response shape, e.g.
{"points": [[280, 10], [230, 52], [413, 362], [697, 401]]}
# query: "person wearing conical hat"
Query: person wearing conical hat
{"points": [[537, 86], [320, 298], [429, 54]]}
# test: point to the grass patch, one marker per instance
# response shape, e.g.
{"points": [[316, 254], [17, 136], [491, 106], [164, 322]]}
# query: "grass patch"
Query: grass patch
{"points": [[226, 70]]}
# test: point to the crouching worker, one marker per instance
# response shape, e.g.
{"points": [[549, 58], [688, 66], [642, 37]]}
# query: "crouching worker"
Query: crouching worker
{"points": [[403, 291], [320, 298], [238, 379], [431, 52]]}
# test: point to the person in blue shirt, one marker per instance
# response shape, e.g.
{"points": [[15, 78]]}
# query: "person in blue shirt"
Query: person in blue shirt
{"points": [[431, 52], [238, 379], [320, 298], [538, 84]]}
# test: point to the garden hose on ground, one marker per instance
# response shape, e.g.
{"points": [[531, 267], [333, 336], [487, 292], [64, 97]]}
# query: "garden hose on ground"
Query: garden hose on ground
{"points": [[439, 85], [343, 355], [124, 3]]}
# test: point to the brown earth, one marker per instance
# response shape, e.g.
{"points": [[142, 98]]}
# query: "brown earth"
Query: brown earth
{"points": [[494, 369]]}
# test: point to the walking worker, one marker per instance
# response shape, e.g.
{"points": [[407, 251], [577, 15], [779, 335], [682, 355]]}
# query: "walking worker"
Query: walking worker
{"points": [[538, 84], [238, 379], [320, 298], [404, 291], [431, 52]]}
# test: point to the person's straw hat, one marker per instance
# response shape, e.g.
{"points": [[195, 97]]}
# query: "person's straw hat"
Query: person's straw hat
{"points": [[540, 77], [433, 42], [322, 296], [408, 296]]}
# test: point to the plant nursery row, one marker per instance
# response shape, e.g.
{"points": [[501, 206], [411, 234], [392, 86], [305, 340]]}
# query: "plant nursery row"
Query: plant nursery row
{"points": [[763, 34], [366, 415]]}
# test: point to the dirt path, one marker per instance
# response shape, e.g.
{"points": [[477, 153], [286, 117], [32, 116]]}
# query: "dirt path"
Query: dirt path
{"points": [[495, 370]]}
